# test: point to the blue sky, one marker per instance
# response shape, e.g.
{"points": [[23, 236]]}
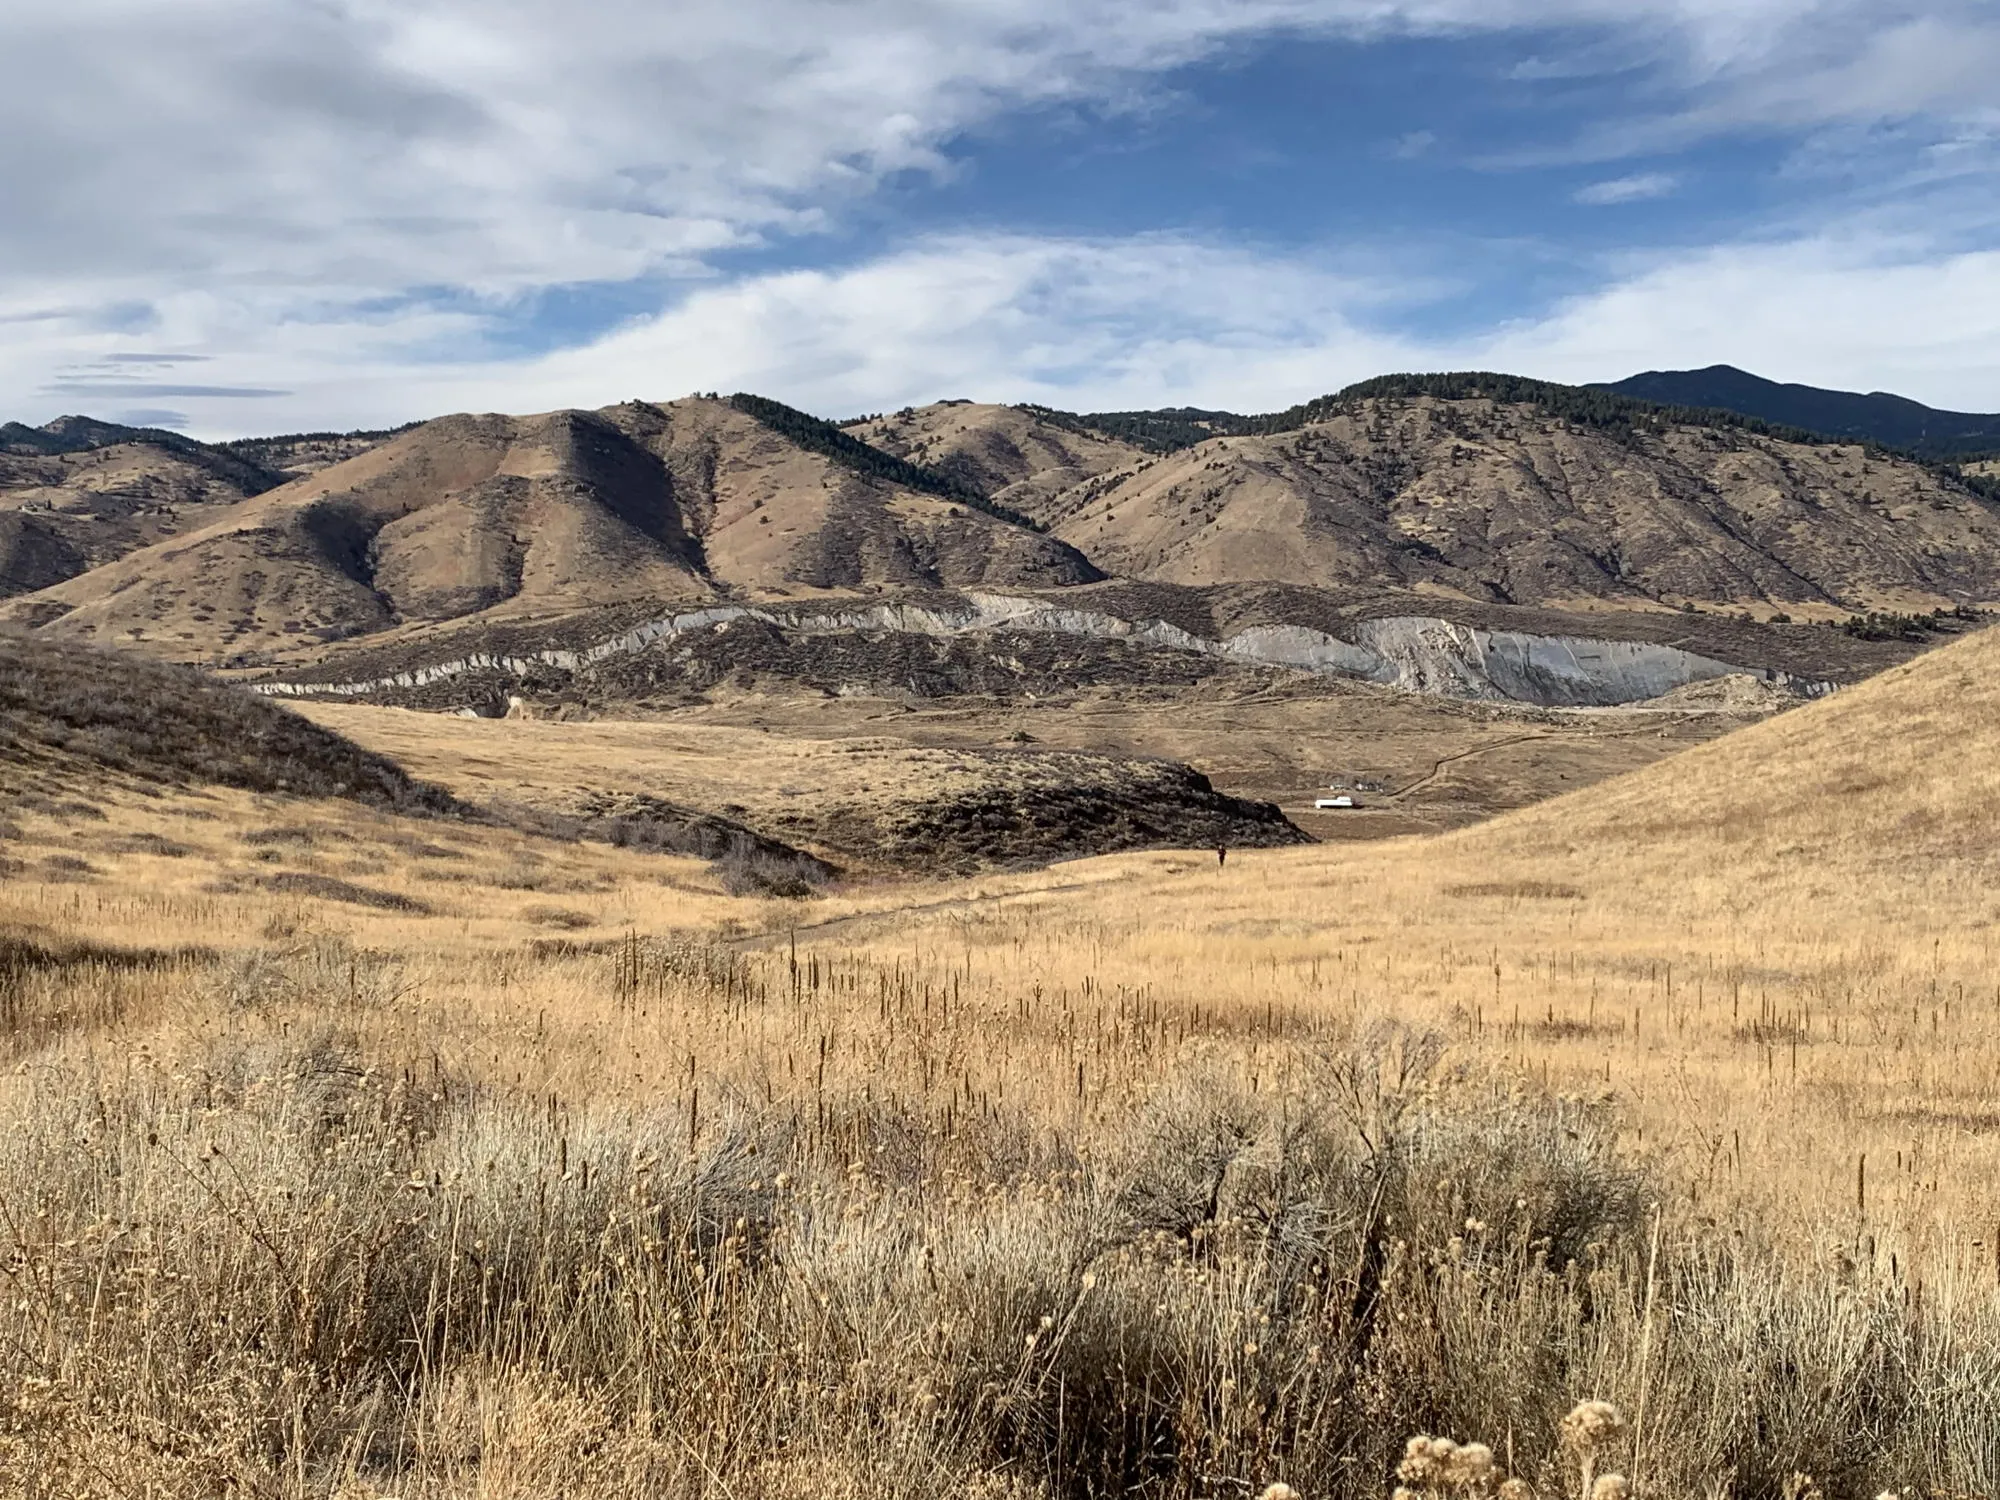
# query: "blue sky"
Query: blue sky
{"points": [[242, 216]]}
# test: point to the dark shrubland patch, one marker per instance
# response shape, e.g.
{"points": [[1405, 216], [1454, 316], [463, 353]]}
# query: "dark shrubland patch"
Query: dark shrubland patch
{"points": [[562, 917], [156, 844], [792, 876], [1518, 890], [293, 836], [329, 888], [105, 711]]}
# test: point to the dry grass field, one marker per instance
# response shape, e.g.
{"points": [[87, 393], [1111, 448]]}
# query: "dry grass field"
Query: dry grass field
{"points": [[802, 761], [360, 1155]]}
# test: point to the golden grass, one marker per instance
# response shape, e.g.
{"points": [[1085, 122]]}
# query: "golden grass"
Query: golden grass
{"points": [[1295, 1157]]}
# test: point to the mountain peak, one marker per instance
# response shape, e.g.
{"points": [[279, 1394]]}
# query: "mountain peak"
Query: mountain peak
{"points": [[1878, 417]]}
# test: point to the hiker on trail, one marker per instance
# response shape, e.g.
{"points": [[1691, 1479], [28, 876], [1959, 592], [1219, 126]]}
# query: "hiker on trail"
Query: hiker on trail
{"points": [[1221, 855]]}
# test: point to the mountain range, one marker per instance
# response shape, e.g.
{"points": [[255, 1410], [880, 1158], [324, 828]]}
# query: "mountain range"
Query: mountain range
{"points": [[1486, 490]]}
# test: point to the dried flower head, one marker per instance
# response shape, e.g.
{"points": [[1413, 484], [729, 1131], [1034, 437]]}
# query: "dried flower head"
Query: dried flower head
{"points": [[1593, 1425], [1471, 1467], [1517, 1489], [1610, 1487], [1416, 1465], [1279, 1492], [1424, 1461]]}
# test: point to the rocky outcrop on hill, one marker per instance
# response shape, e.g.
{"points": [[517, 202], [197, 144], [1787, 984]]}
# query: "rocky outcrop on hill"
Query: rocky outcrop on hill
{"points": [[1010, 645]]}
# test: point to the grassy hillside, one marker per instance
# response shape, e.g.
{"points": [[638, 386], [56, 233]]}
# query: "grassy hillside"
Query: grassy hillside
{"points": [[1490, 489], [72, 715], [570, 1173]]}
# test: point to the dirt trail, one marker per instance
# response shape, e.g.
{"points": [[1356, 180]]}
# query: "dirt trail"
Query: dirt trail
{"points": [[1437, 769], [778, 938]]}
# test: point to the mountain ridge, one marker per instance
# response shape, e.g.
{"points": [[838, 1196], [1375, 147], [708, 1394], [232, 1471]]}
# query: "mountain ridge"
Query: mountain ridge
{"points": [[1878, 416], [1486, 488], [471, 514]]}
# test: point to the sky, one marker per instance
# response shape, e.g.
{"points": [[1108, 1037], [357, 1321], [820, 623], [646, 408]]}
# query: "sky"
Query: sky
{"points": [[245, 216]]}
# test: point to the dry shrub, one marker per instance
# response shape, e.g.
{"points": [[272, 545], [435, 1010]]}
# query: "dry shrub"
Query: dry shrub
{"points": [[296, 1251], [1519, 890], [790, 876], [562, 917], [332, 888]]}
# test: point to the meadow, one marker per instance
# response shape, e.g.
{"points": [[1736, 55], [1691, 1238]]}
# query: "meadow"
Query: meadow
{"points": [[352, 1154]]}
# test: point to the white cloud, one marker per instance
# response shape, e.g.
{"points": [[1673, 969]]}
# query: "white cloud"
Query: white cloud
{"points": [[285, 188], [1097, 325], [1634, 189], [372, 146], [1854, 313]]}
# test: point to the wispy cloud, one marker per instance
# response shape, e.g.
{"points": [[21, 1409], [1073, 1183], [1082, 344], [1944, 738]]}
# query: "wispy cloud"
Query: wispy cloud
{"points": [[1159, 320], [335, 200], [1634, 189], [124, 389]]}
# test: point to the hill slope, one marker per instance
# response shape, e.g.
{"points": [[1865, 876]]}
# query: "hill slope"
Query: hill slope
{"points": [[1510, 501], [1020, 456], [520, 515], [1878, 417], [79, 493], [1898, 776], [73, 718], [1479, 490]]}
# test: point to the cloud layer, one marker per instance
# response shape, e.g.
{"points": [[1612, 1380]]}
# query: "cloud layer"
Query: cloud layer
{"points": [[351, 199], [1096, 325]]}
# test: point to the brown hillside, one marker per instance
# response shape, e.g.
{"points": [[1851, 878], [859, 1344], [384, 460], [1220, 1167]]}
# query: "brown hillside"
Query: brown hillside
{"points": [[77, 723], [1897, 779], [62, 514], [1509, 504], [774, 518], [297, 455], [517, 515], [1012, 454]]}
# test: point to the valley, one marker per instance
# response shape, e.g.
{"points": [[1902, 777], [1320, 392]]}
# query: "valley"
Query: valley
{"points": [[685, 949]]}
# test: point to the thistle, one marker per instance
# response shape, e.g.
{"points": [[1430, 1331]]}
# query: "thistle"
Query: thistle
{"points": [[1591, 1428], [1438, 1467]]}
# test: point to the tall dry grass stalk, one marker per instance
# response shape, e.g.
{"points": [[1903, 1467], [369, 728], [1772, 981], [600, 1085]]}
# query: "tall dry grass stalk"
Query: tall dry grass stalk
{"points": [[298, 1224]]}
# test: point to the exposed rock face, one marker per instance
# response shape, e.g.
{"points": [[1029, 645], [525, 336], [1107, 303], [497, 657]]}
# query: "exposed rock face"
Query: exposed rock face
{"points": [[864, 644]]}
